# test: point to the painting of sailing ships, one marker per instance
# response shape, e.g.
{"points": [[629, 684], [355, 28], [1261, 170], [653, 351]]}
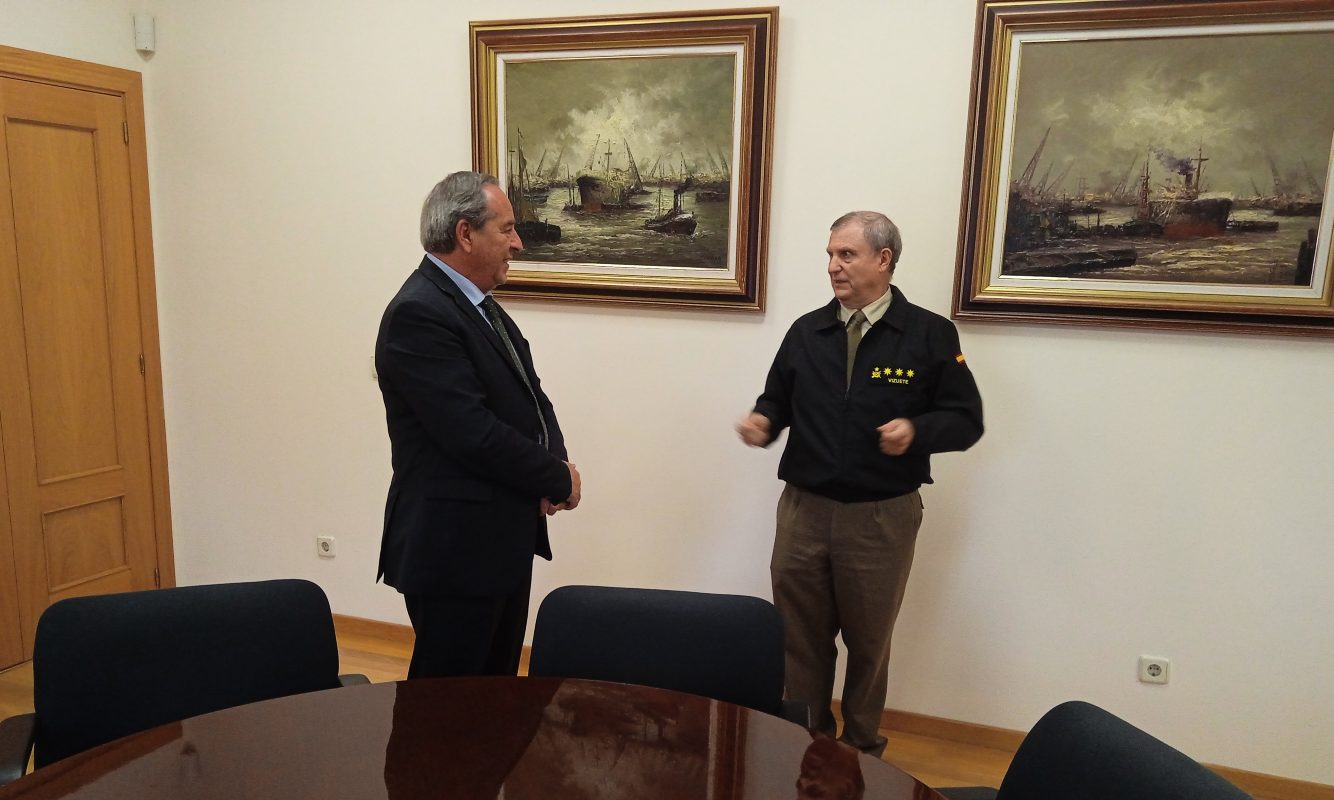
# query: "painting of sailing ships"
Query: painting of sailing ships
{"points": [[622, 160], [1190, 159], [636, 150]]}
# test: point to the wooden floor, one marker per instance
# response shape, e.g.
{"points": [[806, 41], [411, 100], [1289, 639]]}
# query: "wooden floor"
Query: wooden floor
{"points": [[935, 762]]}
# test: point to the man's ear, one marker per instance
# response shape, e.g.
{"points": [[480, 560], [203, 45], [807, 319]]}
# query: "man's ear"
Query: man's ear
{"points": [[887, 260], [463, 235]]}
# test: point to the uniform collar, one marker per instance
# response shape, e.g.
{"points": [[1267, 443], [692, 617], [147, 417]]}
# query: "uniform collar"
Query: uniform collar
{"points": [[873, 310], [894, 314]]}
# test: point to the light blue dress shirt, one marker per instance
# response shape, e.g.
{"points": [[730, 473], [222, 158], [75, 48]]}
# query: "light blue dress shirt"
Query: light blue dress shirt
{"points": [[469, 289]]}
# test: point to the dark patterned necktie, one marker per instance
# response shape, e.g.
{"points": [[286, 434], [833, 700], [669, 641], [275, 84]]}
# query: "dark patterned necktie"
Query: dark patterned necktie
{"points": [[492, 309], [854, 339]]}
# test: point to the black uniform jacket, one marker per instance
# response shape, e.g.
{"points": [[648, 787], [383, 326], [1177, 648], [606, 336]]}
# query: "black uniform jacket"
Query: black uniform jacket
{"points": [[463, 514], [908, 365]]}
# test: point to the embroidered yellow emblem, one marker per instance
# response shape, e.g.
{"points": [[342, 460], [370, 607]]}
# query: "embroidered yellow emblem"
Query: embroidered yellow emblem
{"points": [[892, 374]]}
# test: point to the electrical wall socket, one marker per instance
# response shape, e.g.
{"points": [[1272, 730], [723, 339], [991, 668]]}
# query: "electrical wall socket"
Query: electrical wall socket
{"points": [[325, 547], [1154, 669]]}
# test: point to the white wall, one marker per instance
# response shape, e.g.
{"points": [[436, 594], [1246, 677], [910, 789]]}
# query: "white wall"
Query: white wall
{"points": [[1136, 492]]}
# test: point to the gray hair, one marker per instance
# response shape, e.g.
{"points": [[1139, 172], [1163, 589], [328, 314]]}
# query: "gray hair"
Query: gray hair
{"points": [[458, 197], [879, 231]]}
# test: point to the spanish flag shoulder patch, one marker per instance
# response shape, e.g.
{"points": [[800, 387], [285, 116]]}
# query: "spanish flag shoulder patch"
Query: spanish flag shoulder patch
{"points": [[959, 358]]}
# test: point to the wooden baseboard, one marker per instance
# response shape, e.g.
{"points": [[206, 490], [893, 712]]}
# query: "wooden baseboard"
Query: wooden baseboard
{"points": [[389, 631], [1262, 786], [395, 633], [951, 730]]}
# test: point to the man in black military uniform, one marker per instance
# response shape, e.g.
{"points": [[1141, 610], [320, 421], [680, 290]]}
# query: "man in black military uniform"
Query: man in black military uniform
{"points": [[870, 385]]}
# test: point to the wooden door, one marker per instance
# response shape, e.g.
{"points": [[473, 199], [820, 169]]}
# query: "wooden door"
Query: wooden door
{"points": [[77, 408]]}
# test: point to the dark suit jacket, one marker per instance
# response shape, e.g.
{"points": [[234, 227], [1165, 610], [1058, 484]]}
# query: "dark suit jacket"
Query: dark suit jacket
{"points": [[463, 513]]}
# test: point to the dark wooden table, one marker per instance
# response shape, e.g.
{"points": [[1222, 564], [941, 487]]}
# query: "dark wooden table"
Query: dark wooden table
{"points": [[515, 738]]}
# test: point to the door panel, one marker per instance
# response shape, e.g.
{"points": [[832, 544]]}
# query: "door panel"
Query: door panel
{"points": [[74, 413], [83, 541], [62, 286]]}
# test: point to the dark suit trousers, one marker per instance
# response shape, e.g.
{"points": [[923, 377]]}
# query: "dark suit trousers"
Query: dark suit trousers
{"points": [[458, 635]]}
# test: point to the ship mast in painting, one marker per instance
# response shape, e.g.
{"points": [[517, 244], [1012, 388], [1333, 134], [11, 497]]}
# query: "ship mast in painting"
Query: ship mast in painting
{"points": [[529, 227]]}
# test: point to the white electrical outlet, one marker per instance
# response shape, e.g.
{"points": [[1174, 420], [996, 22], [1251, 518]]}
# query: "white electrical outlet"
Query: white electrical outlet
{"points": [[1154, 669], [325, 547]]}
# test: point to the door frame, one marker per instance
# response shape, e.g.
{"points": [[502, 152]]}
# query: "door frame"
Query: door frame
{"points": [[127, 85]]}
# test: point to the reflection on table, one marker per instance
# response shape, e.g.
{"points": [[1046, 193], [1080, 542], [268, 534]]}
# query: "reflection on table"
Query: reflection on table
{"points": [[516, 738]]}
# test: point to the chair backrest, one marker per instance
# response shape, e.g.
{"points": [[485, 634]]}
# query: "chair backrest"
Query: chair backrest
{"points": [[107, 666], [723, 646], [1078, 751]]}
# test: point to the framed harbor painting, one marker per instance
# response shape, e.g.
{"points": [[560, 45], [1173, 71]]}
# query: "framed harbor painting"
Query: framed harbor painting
{"points": [[635, 150], [1151, 164]]}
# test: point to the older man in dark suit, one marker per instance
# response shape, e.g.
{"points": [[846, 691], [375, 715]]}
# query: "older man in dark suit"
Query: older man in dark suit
{"points": [[479, 459]]}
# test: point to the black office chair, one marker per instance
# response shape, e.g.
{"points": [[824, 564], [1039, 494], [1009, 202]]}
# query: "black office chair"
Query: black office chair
{"points": [[727, 647], [1077, 751], [107, 666]]}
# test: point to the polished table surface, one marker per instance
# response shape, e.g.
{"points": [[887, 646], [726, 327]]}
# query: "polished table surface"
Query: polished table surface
{"points": [[476, 738]]}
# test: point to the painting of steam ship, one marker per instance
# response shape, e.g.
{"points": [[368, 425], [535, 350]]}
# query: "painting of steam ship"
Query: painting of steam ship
{"points": [[1151, 165], [1160, 160]]}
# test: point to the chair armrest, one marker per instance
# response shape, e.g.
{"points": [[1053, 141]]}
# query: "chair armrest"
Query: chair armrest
{"points": [[16, 735], [796, 711], [353, 679], [967, 792]]}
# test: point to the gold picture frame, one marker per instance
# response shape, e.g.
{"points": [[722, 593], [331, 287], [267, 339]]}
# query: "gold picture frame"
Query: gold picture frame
{"points": [[1151, 164], [652, 136]]}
